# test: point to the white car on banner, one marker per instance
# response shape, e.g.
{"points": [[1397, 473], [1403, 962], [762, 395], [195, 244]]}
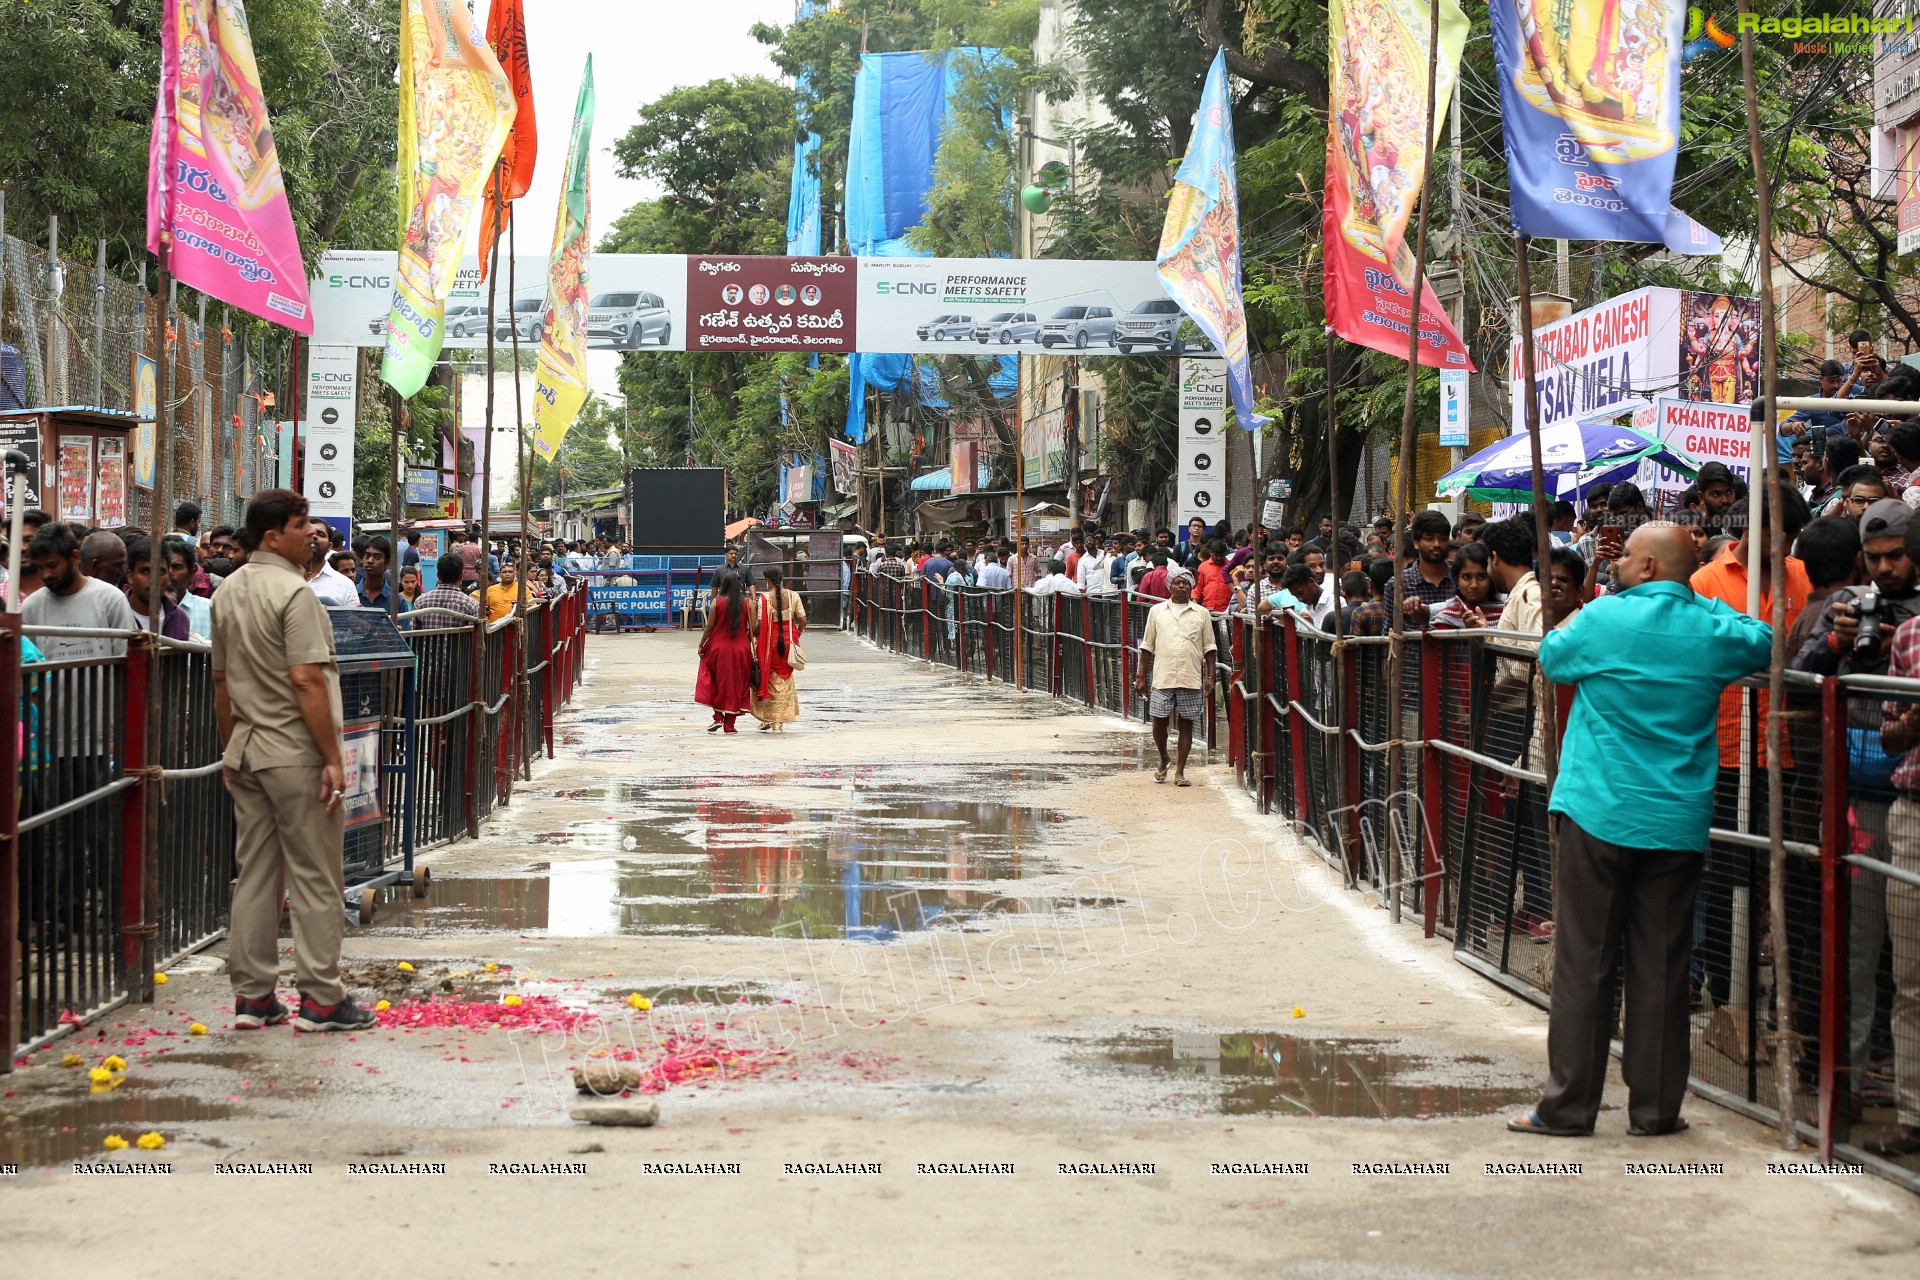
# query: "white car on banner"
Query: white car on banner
{"points": [[635, 302], [911, 304]]}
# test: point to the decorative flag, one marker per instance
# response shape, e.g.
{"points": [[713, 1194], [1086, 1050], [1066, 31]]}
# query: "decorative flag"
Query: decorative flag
{"points": [[1199, 258], [1590, 110], [560, 380], [455, 110], [507, 36], [1378, 142], [216, 204]]}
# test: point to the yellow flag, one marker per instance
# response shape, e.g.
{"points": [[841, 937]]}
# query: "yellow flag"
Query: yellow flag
{"points": [[560, 383]]}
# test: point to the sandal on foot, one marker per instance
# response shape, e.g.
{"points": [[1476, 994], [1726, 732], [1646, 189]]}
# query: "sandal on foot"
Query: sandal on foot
{"points": [[1678, 1126], [1180, 780], [1532, 1123], [1160, 774]]}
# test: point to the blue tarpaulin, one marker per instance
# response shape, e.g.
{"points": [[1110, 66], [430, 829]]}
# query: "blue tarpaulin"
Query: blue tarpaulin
{"points": [[803, 198], [901, 102]]}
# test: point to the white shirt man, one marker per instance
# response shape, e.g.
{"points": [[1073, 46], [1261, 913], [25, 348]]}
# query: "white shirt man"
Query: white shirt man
{"points": [[1055, 583], [1094, 574], [335, 589]]}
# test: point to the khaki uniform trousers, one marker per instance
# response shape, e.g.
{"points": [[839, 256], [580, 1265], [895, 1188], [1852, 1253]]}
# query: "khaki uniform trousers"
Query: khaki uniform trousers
{"points": [[283, 836]]}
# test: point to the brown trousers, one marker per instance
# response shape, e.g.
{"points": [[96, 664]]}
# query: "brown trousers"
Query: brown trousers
{"points": [[1608, 899], [285, 841]]}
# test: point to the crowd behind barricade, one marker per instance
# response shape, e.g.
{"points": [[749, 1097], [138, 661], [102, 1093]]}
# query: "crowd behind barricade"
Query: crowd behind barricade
{"points": [[75, 576], [1851, 600]]}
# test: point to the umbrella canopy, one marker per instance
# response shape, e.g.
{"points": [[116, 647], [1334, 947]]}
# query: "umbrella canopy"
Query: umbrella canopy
{"points": [[1579, 452]]}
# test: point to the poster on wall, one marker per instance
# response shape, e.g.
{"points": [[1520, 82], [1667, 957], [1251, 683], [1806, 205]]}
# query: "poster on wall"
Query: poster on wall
{"points": [[110, 484], [846, 467], [22, 434], [1202, 476], [76, 478], [1453, 408], [1906, 185], [360, 762], [146, 402]]}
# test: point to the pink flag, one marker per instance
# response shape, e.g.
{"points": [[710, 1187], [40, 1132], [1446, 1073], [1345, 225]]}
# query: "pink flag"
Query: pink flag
{"points": [[216, 204]]}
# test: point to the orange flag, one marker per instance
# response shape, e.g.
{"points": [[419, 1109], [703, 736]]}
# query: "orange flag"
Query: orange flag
{"points": [[507, 36]]}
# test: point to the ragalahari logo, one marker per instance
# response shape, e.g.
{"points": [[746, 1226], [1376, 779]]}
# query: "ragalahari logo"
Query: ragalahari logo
{"points": [[1703, 35]]}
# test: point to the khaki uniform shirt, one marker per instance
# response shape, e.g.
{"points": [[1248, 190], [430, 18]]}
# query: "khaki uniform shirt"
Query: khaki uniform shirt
{"points": [[1179, 636], [265, 620]]}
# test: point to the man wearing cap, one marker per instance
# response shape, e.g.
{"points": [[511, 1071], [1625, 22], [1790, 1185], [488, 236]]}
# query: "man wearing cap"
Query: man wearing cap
{"points": [[276, 697], [1176, 654]]}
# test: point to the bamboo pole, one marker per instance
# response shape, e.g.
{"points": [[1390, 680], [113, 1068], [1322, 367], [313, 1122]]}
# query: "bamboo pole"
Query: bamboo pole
{"points": [[522, 457], [152, 788], [1403, 508], [1785, 1051]]}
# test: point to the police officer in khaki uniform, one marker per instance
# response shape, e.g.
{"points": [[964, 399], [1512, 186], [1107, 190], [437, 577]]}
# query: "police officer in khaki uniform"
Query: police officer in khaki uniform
{"points": [[277, 696]]}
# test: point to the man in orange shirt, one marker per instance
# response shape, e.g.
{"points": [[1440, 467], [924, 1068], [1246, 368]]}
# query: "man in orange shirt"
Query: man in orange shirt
{"points": [[1725, 579], [1215, 591]]}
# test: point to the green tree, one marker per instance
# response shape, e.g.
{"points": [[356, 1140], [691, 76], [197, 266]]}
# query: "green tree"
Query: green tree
{"points": [[722, 150]]}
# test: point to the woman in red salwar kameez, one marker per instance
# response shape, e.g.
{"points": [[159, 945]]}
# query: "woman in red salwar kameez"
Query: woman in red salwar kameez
{"points": [[726, 653]]}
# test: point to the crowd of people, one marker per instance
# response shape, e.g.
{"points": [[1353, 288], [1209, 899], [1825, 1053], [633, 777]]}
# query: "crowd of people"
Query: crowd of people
{"points": [[1850, 595], [73, 576]]}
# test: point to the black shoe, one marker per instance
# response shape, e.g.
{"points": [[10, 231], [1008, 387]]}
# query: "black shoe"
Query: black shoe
{"points": [[345, 1016], [1901, 1140], [251, 1015]]}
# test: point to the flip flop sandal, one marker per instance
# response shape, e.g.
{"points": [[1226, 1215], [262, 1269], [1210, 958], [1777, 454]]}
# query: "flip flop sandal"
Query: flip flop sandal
{"points": [[1159, 775], [1182, 782], [1678, 1126], [1531, 1123]]}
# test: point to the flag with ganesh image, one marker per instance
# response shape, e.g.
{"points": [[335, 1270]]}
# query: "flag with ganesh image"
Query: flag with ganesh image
{"points": [[1379, 140], [507, 37], [1199, 258], [217, 212], [560, 378], [1590, 113], [456, 108]]}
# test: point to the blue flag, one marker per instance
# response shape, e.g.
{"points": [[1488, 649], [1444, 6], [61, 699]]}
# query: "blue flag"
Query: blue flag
{"points": [[1590, 110], [1199, 259]]}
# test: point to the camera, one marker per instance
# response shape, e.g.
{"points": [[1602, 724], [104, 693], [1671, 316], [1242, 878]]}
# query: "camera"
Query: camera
{"points": [[1866, 608]]}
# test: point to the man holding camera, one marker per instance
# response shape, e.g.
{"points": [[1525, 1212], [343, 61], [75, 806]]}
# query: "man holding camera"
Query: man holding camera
{"points": [[1854, 637]]}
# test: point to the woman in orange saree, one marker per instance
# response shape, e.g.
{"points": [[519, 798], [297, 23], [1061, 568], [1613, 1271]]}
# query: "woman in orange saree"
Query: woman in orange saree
{"points": [[776, 638]]}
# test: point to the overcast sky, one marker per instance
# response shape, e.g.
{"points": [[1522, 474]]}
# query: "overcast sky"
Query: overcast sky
{"points": [[641, 49]]}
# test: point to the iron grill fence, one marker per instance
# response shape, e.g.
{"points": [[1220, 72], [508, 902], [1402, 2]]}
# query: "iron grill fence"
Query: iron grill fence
{"points": [[1447, 822], [76, 869]]}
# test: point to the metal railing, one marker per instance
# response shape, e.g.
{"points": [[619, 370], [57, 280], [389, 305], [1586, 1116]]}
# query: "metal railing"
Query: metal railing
{"points": [[1456, 837], [75, 869]]}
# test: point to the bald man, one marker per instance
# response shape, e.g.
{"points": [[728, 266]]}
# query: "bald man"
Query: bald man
{"points": [[1648, 665], [103, 555]]}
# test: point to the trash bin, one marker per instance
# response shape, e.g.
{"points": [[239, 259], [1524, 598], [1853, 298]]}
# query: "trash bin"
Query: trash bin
{"points": [[377, 704]]}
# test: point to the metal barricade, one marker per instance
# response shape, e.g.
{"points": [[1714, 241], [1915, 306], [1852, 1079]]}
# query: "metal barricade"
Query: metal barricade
{"points": [[196, 819]]}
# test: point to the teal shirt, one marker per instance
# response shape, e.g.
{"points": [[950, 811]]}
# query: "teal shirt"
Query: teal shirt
{"points": [[1648, 665]]}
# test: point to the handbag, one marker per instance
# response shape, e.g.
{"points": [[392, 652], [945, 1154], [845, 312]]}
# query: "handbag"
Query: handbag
{"points": [[790, 651]]}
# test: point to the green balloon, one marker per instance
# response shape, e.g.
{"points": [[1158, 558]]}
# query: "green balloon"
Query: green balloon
{"points": [[1036, 198]]}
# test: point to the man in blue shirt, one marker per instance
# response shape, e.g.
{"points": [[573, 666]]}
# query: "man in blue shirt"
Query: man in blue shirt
{"points": [[937, 566], [1648, 665]]}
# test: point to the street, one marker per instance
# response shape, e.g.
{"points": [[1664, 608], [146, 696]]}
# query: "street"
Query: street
{"points": [[938, 980]]}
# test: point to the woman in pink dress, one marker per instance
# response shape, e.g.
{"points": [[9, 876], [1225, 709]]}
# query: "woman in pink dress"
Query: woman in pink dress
{"points": [[726, 653]]}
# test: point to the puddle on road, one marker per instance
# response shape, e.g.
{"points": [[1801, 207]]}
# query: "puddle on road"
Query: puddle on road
{"points": [[75, 1128], [1273, 1073], [707, 859]]}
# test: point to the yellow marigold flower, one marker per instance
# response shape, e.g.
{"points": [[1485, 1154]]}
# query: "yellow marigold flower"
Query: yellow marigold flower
{"points": [[73, 1060], [159, 979], [383, 1006], [197, 1029], [115, 1062], [640, 1002], [512, 1002], [115, 1142], [491, 966], [1298, 1012], [150, 1142], [99, 1075], [404, 967]]}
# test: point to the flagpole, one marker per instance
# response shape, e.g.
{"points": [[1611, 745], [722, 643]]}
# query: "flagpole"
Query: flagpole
{"points": [[1396, 644], [522, 461], [151, 787], [1783, 1052]]}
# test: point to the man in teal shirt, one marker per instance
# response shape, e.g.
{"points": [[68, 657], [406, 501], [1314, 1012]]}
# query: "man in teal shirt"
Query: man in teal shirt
{"points": [[1648, 665]]}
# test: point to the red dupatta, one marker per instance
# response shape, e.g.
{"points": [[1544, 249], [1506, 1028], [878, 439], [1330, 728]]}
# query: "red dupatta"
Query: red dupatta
{"points": [[772, 655]]}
